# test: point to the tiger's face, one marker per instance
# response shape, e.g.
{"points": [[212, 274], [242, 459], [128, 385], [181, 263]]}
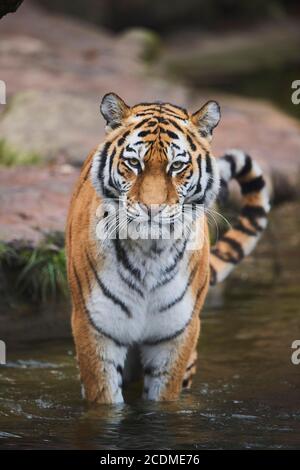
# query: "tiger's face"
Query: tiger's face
{"points": [[156, 160]]}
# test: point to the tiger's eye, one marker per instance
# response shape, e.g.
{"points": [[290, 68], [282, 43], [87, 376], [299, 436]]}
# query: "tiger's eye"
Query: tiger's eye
{"points": [[177, 165], [134, 162]]}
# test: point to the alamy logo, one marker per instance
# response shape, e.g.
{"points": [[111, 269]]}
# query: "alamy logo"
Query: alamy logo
{"points": [[117, 219], [296, 94], [295, 358], [2, 92], [2, 352]]}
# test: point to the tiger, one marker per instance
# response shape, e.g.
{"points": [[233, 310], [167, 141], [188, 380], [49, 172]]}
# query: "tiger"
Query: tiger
{"points": [[137, 299]]}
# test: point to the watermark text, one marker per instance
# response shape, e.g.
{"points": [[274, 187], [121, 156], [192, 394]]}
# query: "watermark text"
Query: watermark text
{"points": [[2, 352], [2, 92]]}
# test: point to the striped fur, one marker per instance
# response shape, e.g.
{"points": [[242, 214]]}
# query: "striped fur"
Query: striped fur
{"points": [[241, 239], [128, 293]]}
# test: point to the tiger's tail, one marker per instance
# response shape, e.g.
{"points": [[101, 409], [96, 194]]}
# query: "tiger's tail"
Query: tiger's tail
{"points": [[239, 241]]}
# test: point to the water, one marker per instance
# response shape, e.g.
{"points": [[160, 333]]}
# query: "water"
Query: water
{"points": [[245, 395]]}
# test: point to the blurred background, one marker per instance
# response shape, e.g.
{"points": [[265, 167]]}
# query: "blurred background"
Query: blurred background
{"points": [[57, 59], [246, 47]]}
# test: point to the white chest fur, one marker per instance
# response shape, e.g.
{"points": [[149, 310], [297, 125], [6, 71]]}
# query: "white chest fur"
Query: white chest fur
{"points": [[143, 293]]}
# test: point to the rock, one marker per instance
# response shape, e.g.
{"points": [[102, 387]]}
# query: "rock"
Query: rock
{"points": [[61, 126], [144, 43], [34, 201]]}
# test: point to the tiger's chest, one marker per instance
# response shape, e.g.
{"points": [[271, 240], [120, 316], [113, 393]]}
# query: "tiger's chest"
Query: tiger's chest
{"points": [[142, 294]]}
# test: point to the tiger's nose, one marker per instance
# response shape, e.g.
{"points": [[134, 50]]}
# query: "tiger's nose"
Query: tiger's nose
{"points": [[152, 210]]}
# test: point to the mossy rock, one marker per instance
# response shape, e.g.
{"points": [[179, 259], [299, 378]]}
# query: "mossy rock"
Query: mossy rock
{"points": [[50, 124], [146, 42]]}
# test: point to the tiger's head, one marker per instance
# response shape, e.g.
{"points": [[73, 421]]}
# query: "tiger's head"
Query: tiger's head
{"points": [[156, 160]]}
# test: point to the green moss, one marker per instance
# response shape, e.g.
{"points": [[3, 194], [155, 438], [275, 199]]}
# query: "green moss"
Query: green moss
{"points": [[36, 274], [9, 156]]}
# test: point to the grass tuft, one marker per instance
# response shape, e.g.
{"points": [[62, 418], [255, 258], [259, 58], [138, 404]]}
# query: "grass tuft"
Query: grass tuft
{"points": [[36, 274], [9, 156]]}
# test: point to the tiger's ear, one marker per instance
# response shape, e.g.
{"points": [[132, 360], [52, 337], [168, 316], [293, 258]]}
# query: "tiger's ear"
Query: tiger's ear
{"points": [[207, 118], [114, 110]]}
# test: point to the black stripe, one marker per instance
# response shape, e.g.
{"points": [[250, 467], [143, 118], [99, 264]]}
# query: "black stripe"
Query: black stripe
{"points": [[181, 296], [155, 249], [155, 341], [139, 142], [171, 134], [113, 125], [109, 194], [205, 133], [152, 123], [111, 158], [230, 159], [176, 125], [170, 114], [199, 187], [178, 257], [150, 107], [165, 281], [141, 123], [162, 120], [161, 107], [235, 245], [223, 191], [146, 113], [122, 139], [253, 212], [103, 160], [170, 107], [124, 260], [246, 168], [99, 330], [185, 382], [227, 258], [209, 168], [165, 112], [198, 201], [103, 157], [209, 171], [191, 365], [254, 185], [190, 141], [247, 231], [131, 285], [153, 372], [118, 367], [213, 276], [107, 292], [145, 133]]}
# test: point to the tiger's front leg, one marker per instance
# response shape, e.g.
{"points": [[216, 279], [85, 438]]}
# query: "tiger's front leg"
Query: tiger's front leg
{"points": [[100, 360], [165, 363]]}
